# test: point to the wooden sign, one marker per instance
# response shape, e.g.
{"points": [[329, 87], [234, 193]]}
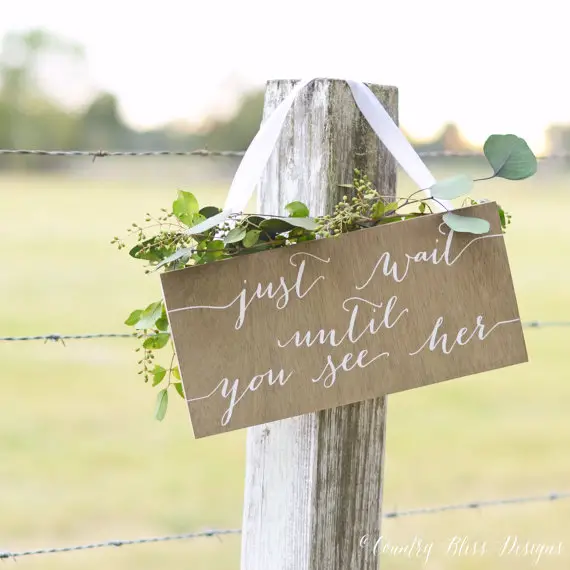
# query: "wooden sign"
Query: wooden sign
{"points": [[285, 332]]}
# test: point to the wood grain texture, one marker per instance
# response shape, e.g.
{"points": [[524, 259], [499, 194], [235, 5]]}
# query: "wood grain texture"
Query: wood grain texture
{"points": [[367, 314], [314, 483]]}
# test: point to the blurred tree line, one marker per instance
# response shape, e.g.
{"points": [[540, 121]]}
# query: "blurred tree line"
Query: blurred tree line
{"points": [[31, 119]]}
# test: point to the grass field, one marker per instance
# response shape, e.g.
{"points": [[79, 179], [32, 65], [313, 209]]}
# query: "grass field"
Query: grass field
{"points": [[83, 459]]}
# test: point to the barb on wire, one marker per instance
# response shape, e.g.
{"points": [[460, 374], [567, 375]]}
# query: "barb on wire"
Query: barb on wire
{"points": [[62, 337], [205, 152], [230, 531]]}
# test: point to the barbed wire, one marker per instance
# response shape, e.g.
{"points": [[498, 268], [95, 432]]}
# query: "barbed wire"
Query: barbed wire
{"points": [[232, 531], [228, 153], [104, 153], [54, 337]]}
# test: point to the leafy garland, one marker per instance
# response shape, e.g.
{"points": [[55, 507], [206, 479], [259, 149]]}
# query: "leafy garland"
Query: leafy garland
{"points": [[168, 242]]}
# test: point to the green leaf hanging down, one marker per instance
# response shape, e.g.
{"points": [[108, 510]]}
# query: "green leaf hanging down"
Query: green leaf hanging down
{"points": [[149, 316], [161, 404], [297, 210], [466, 224], [185, 208], [179, 388], [510, 157], [235, 234], [451, 188], [134, 317]]}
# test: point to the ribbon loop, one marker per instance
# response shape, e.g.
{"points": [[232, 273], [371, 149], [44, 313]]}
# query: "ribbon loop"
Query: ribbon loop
{"points": [[257, 155]]}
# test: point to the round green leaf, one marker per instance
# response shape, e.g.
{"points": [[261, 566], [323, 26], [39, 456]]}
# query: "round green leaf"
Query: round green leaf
{"points": [[453, 187], [466, 224], [297, 210], [235, 234], [149, 316], [161, 404], [156, 341], [158, 373], [185, 207], [251, 238], [510, 157], [209, 211]]}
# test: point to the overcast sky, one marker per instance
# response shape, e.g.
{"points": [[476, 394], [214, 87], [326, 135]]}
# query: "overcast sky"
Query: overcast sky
{"points": [[489, 65]]}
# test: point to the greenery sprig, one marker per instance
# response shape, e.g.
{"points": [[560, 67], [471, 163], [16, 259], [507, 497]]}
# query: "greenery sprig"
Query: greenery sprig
{"points": [[170, 242]]}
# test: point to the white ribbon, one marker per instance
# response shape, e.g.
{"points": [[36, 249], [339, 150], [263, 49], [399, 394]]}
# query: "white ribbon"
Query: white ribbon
{"points": [[255, 159]]}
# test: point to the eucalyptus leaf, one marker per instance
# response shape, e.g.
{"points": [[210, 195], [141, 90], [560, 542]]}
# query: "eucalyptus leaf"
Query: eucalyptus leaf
{"points": [[209, 211], [451, 188], [466, 224], [156, 341], [510, 157], [235, 234], [158, 373], [297, 210], [179, 388], [162, 324], [305, 223], [178, 254], [251, 238], [134, 317], [149, 251], [378, 210], [185, 207], [274, 226], [149, 316], [161, 404], [391, 207], [207, 224]]}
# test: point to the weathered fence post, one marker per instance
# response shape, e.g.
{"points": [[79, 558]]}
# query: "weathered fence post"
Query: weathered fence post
{"points": [[314, 483]]}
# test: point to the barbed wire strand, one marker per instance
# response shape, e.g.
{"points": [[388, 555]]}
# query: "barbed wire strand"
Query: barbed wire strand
{"points": [[232, 531], [228, 153], [54, 337]]}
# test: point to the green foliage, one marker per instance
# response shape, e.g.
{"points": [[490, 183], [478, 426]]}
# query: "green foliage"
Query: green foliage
{"points": [[173, 241], [161, 404], [149, 316], [134, 318], [451, 188], [468, 224], [297, 210], [158, 374], [186, 209], [510, 157]]}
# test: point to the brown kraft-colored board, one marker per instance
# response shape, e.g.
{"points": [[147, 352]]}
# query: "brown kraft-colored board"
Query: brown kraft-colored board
{"points": [[276, 334]]}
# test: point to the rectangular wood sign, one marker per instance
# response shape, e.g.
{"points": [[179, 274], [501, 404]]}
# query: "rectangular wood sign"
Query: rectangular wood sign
{"points": [[285, 332]]}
